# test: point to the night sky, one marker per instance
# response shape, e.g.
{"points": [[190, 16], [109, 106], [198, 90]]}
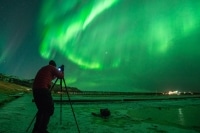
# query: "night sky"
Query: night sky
{"points": [[105, 45]]}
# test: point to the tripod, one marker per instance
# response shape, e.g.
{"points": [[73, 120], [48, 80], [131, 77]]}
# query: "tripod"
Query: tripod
{"points": [[61, 89]]}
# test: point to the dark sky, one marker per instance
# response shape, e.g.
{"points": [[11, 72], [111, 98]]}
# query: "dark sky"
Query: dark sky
{"points": [[105, 45]]}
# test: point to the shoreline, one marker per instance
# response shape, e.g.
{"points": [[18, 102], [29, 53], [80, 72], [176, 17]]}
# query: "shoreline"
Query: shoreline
{"points": [[117, 98]]}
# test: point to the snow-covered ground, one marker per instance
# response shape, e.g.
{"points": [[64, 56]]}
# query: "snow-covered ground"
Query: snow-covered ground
{"points": [[157, 116]]}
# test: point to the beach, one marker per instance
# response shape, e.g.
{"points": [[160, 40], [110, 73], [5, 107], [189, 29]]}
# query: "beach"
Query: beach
{"points": [[139, 116]]}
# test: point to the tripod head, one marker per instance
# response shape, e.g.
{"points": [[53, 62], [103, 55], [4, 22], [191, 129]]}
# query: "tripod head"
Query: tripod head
{"points": [[61, 68]]}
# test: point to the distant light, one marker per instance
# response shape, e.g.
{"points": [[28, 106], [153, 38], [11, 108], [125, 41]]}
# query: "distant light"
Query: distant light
{"points": [[174, 93]]}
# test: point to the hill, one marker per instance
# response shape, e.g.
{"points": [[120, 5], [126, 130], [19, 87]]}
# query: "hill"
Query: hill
{"points": [[11, 88], [8, 89]]}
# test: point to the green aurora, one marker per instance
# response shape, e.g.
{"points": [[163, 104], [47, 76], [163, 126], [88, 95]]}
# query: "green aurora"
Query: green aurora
{"points": [[155, 25], [126, 44], [63, 33], [105, 45]]}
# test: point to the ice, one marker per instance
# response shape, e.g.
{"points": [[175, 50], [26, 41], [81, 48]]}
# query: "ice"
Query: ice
{"points": [[149, 116]]}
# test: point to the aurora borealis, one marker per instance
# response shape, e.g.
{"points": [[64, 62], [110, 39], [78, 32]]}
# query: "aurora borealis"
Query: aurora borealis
{"points": [[64, 33], [105, 45]]}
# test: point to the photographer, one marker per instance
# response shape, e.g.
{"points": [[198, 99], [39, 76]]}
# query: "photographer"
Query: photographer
{"points": [[42, 95]]}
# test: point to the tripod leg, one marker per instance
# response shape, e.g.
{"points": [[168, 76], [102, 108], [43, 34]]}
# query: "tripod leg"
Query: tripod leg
{"points": [[31, 123], [54, 84], [61, 101], [71, 106]]}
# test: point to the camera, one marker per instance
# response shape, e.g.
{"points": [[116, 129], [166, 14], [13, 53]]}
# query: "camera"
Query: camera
{"points": [[61, 68]]}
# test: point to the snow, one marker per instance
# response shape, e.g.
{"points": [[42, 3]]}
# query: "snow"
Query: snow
{"points": [[160, 116]]}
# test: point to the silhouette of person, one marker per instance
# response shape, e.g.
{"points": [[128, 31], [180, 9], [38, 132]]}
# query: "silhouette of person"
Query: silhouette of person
{"points": [[42, 95]]}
